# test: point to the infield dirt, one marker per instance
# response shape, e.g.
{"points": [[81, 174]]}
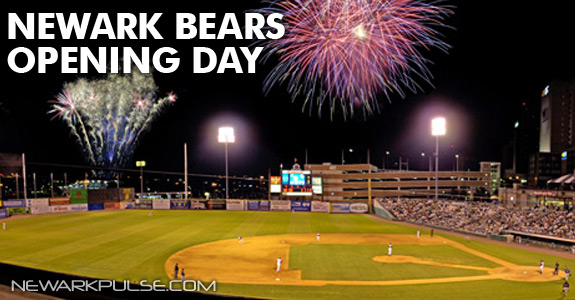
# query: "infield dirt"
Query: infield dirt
{"points": [[253, 261]]}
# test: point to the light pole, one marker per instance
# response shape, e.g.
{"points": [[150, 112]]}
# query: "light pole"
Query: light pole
{"points": [[456, 162], [226, 136], [386, 157], [141, 164], [423, 161], [186, 171], [437, 129]]}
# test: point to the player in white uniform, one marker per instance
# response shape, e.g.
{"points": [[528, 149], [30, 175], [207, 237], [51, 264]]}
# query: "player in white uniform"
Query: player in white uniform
{"points": [[278, 264], [541, 266], [389, 247], [317, 236]]}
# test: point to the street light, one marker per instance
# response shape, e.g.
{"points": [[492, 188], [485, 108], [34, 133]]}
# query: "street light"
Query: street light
{"points": [[226, 136], [141, 164], [386, 157], [438, 129]]}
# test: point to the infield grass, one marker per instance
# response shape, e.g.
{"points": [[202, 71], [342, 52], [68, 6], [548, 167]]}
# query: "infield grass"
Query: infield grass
{"points": [[354, 262], [130, 245]]}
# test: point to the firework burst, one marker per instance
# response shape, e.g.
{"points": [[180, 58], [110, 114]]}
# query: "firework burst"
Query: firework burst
{"points": [[109, 116], [344, 53]]}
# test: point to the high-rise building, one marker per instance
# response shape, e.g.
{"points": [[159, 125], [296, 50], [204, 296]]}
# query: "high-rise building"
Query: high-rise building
{"points": [[556, 133], [557, 127]]}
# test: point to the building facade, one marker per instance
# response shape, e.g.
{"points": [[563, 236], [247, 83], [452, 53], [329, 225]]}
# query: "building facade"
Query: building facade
{"points": [[556, 134], [363, 182]]}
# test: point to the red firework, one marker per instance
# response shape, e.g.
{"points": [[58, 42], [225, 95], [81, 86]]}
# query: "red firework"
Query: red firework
{"points": [[351, 51]]}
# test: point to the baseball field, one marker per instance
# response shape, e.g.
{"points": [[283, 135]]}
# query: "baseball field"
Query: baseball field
{"points": [[349, 261]]}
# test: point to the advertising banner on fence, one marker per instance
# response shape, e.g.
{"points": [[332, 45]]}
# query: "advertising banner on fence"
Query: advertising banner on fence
{"points": [[339, 208], [127, 194], [264, 205], [39, 202], [95, 206], [39, 210], [111, 205], [235, 205], [14, 203], [3, 213], [179, 204], [318, 206], [253, 205], [161, 204], [79, 207], [59, 201], [78, 196], [143, 204], [217, 204], [128, 205], [300, 205], [15, 211], [59, 209], [280, 205], [196, 204], [358, 208]]}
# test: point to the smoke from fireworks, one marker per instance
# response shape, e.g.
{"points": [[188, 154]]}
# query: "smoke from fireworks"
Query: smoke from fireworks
{"points": [[347, 52], [109, 116]]}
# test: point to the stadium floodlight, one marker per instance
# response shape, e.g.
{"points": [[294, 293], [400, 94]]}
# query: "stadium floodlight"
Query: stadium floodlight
{"points": [[438, 128], [226, 136]]}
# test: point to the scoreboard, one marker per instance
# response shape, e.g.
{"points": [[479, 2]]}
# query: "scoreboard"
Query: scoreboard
{"points": [[296, 183]]}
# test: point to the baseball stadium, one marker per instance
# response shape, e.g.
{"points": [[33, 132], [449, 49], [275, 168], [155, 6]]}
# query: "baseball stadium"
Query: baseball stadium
{"points": [[436, 141], [387, 245]]}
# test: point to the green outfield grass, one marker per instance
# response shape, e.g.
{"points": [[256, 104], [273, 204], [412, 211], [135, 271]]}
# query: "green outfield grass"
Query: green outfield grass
{"points": [[130, 245]]}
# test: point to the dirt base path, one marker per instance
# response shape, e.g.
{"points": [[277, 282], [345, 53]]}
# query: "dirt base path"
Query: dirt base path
{"points": [[253, 261]]}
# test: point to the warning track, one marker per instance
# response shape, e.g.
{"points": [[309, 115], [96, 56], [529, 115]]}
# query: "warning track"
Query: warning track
{"points": [[253, 262]]}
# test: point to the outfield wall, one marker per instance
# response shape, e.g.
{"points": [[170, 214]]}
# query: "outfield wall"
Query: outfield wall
{"points": [[80, 200], [115, 199]]}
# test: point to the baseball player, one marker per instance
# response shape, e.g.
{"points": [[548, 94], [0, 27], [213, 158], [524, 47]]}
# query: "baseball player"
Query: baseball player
{"points": [[389, 248], [240, 240], [278, 264], [317, 236], [541, 266], [565, 288], [567, 273]]}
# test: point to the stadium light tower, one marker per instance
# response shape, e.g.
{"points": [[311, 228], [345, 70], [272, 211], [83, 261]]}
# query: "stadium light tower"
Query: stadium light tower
{"points": [[141, 164], [226, 136], [438, 129]]}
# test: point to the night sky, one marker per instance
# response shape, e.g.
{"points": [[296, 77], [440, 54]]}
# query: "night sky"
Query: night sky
{"points": [[502, 55]]}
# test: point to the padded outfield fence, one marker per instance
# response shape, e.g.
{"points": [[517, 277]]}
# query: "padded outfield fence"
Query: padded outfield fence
{"points": [[124, 198]]}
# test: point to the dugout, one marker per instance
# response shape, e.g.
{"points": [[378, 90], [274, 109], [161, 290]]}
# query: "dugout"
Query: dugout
{"points": [[541, 240]]}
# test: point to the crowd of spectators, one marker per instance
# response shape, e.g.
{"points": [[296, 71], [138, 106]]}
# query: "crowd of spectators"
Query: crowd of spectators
{"points": [[485, 218]]}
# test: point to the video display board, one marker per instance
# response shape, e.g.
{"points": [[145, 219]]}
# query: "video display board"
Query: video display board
{"points": [[296, 183]]}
